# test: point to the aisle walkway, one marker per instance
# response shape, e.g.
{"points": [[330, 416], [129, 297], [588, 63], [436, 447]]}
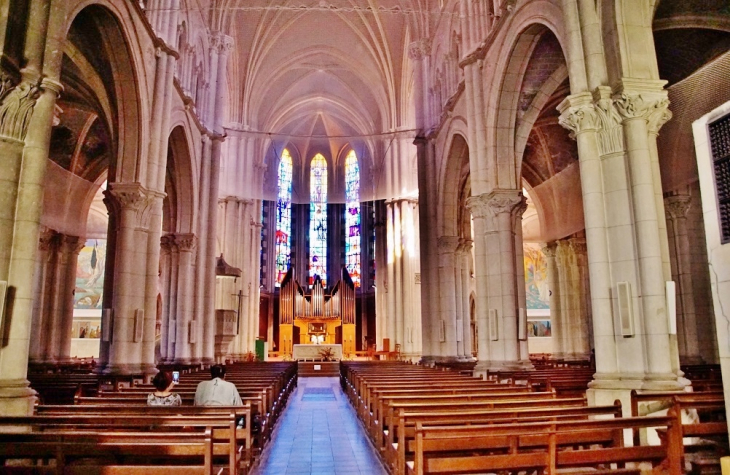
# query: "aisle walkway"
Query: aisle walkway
{"points": [[319, 434]]}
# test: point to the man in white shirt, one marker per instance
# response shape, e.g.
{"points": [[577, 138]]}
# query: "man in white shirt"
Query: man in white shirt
{"points": [[217, 391]]}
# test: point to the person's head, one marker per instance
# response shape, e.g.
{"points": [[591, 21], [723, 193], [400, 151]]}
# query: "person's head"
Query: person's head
{"points": [[217, 371], [162, 380]]}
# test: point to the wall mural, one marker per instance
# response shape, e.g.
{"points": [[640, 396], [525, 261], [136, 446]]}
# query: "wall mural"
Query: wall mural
{"points": [[538, 294], [90, 275]]}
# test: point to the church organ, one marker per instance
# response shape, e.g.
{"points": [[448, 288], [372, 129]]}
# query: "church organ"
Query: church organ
{"points": [[317, 315]]}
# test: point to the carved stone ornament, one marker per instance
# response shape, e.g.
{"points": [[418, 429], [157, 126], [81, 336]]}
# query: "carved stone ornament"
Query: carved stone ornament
{"points": [[186, 242], [47, 240], [166, 243], [677, 206], [16, 110], [419, 49], [72, 244], [465, 246], [579, 245], [549, 250], [221, 42], [610, 133], [654, 110], [6, 84], [579, 119]]}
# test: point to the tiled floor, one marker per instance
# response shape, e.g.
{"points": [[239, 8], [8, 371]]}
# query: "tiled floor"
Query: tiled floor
{"points": [[319, 434]]}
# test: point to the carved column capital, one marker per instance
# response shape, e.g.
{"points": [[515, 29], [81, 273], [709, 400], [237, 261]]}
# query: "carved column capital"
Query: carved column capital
{"points": [[465, 246], [578, 114], [186, 242], [447, 244], [419, 49], [72, 244], [127, 196], [652, 107], [549, 250], [221, 42], [677, 206], [167, 242], [16, 110], [47, 240]]}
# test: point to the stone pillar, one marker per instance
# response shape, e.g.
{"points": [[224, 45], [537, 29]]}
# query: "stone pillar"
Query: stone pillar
{"points": [[556, 314], [186, 245], [496, 278], [519, 250], [130, 202], [26, 116], [613, 134], [40, 319], [459, 309], [446, 331], [70, 248], [583, 304], [464, 255], [687, 334], [168, 303]]}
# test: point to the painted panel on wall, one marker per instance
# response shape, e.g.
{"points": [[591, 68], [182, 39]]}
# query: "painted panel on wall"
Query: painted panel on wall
{"points": [[90, 275], [536, 284]]}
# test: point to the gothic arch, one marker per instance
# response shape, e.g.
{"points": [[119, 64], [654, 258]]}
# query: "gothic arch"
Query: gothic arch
{"points": [[113, 27], [457, 153], [179, 207]]}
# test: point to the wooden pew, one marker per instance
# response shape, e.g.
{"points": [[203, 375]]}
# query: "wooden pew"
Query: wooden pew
{"points": [[541, 446], [123, 453], [150, 415], [405, 422]]}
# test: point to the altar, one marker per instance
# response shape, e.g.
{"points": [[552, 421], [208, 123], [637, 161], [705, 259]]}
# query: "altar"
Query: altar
{"points": [[314, 352]]}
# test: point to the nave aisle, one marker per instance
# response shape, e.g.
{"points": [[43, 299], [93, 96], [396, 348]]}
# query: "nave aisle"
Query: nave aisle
{"points": [[319, 434]]}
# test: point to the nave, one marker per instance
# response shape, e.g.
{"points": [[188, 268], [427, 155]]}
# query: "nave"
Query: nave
{"points": [[318, 433]]}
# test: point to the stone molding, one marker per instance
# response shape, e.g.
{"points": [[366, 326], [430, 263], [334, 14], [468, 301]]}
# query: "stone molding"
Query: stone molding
{"points": [[677, 206], [167, 242], [395, 201], [419, 49], [465, 246], [48, 240], [7, 84], [16, 110]]}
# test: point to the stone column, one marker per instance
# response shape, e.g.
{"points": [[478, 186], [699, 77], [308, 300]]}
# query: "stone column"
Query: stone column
{"points": [[40, 319], [26, 116], [556, 314], [496, 277], [70, 248], [459, 309], [186, 245], [687, 334], [464, 255], [519, 250], [583, 305], [130, 202], [446, 330], [166, 245]]}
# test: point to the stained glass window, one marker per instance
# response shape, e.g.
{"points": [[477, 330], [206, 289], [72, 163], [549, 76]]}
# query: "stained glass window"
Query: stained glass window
{"points": [[318, 219], [283, 217], [352, 217]]}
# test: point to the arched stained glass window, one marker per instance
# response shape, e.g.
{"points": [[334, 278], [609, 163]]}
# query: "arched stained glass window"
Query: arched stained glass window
{"points": [[318, 219], [283, 217], [352, 217]]}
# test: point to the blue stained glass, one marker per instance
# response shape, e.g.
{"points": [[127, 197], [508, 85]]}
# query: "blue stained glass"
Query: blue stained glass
{"points": [[282, 238], [352, 217], [318, 219]]}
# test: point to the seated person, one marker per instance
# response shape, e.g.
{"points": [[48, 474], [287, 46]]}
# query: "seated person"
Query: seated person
{"points": [[217, 391], [163, 397]]}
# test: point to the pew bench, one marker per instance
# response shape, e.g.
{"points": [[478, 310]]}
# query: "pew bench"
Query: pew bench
{"points": [[586, 447]]}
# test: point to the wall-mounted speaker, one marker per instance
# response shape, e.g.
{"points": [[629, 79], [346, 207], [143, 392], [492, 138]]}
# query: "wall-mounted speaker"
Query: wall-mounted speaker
{"points": [[671, 307], [522, 324], [106, 325], [459, 329], [493, 325], [192, 333], [138, 325], [625, 309]]}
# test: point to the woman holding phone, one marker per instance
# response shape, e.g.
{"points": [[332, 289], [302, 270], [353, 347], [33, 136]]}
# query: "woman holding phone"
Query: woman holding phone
{"points": [[163, 396]]}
